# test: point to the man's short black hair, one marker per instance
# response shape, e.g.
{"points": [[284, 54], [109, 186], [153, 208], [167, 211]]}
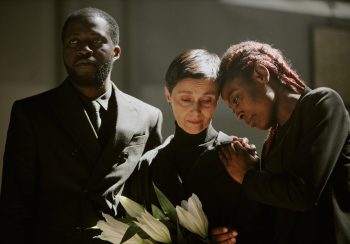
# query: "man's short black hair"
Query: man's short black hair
{"points": [[89, 11]]}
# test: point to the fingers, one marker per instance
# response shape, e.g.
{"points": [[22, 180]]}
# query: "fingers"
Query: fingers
{"points": [[228, 241], [233, 156], [245, 140], [219, 230], [226, 153], [223, 235], [230, 152], [235, 138], [252, 147], [252, 150], [238, 146]]}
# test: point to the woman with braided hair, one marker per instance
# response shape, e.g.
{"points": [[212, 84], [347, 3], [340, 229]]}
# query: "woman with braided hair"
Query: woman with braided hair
{"points": [[304, 175]]}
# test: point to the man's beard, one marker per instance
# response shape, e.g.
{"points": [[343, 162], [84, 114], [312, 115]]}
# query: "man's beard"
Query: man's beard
{"points": [[94, 80]]}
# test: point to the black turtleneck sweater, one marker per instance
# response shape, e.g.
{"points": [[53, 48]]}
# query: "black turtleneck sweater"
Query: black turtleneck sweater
{"points": [[185, 150], [186, 164]]}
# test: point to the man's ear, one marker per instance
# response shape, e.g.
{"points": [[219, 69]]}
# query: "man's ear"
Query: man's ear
{"points": [[117, 51], [261, 74], [167, 94]]}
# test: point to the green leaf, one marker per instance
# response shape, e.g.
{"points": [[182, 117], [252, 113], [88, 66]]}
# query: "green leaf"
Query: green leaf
{"points": [[130, 232], [171, 226], [157, 213], [126, 220], [179, 234], [167, 207]]}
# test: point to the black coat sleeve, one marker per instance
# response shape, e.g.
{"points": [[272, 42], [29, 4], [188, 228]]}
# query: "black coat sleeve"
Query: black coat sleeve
{"points": [[19, 181], [308, 160]]}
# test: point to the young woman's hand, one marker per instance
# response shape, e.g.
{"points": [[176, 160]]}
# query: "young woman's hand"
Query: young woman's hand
{"points": [[238, 157]]}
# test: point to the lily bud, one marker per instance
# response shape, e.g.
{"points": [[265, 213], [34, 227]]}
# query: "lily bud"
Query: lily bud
{"points": [[192, 217]]}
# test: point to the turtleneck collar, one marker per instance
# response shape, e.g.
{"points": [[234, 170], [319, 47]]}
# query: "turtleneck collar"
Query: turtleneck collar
{"points": [[184, 139]]}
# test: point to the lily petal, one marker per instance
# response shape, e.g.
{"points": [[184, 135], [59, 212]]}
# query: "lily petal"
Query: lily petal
{"points": [[153, 227], [195, 208], [114, 230], [132, 208]]}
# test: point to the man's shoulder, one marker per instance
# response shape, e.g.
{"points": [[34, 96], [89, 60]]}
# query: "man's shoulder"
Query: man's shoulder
{"points": [[137, 102], [38, 99]]}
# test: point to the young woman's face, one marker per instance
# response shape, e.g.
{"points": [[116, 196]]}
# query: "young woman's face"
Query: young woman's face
{"points": [[251, 101], [193, 102]]}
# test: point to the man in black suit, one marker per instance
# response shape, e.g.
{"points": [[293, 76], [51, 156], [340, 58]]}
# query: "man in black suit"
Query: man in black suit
{"points": [[64, 162]]}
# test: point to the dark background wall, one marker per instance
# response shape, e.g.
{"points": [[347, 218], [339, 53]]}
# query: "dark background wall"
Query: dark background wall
{"points": [[153, 32]]}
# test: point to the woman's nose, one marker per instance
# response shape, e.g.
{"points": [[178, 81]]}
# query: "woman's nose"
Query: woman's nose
{"points": [[196, 107]]}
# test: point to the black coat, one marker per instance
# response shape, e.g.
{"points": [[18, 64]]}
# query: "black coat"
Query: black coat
{"points": [[306, 176], [56, 177], [179, 169]]}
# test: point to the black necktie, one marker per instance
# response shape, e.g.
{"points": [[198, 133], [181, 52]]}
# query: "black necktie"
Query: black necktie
{"points": [[95, 115]]}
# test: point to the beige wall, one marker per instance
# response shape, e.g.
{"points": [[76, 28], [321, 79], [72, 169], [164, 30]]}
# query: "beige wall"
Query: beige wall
{"points": [[152, 33]]}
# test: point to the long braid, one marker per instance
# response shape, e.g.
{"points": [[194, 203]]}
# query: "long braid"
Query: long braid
{"points": [[241, 59]]}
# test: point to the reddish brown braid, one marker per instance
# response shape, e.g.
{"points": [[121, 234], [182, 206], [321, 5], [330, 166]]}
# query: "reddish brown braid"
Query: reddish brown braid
{"points": [[241, 59]]}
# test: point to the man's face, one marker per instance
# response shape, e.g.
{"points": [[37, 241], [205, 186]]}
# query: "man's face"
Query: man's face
{"points": [[193, 102], [88, 51]]}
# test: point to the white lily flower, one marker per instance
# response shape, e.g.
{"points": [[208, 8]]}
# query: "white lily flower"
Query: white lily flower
{"points": [[132, 208], [153, 227], [114, 230], [192, 217]]}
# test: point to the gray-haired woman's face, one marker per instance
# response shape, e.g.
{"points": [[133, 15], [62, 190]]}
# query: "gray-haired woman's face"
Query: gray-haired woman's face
{"points": [[193, 102]]}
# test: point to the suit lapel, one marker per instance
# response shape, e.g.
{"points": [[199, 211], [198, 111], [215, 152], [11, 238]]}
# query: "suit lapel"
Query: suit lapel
{"points": [[120, 137], [72, 114], [126, 121]]}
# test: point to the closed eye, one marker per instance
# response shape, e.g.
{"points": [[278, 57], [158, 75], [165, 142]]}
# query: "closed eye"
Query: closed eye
{"points": [[186, 101], [234, 100], [207, 101]]}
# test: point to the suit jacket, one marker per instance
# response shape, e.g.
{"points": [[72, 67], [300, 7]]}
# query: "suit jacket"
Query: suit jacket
{"points": [[56, 178]]}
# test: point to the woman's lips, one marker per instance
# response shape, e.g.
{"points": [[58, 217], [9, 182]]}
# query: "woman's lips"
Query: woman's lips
{"points": [[195, 121]]}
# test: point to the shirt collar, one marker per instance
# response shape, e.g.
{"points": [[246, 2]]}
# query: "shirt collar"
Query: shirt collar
{"points": [[104, 98]]}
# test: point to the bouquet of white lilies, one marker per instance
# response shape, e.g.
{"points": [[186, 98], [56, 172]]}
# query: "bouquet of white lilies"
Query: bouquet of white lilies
{"points": [[165, 225]]}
